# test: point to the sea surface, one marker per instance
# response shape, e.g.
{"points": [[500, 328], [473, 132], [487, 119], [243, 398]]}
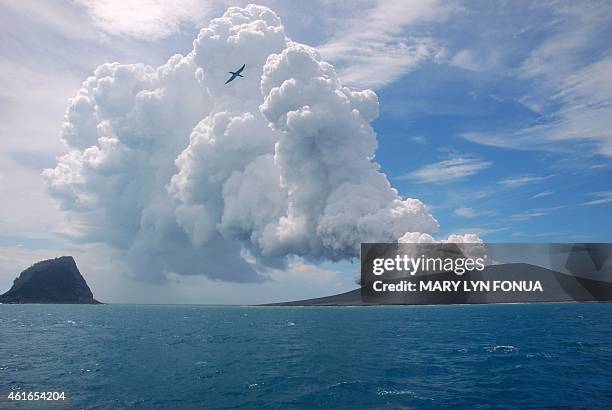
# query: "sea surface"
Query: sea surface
{"points": [[175, 357]]}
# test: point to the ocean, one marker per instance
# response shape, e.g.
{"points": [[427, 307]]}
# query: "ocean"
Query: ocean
{"points": [[184, 357]]}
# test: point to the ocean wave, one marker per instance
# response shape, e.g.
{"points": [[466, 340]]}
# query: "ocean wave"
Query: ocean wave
{"points": [[385, 392], [501, 348], [540, 355]]}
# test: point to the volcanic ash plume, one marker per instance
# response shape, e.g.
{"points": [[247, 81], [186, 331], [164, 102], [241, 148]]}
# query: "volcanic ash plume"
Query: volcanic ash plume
{"points": [[179, 172]]}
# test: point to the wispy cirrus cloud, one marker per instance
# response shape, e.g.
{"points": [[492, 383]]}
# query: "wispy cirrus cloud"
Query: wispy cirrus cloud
{"points": [[384, 42], [525, 216], [481, 231], [465, 212], [448, 170], [514, 182], [373, 43], [567, 80], [145, 19], [419, 139], [542, 194], [602, 198]]}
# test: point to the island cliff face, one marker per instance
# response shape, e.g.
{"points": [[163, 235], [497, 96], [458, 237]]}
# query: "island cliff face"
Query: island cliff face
{"points": [[51, 281]]}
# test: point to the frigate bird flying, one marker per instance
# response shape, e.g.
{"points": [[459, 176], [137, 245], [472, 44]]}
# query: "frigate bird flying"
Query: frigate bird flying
{"points": [[236, 74]]}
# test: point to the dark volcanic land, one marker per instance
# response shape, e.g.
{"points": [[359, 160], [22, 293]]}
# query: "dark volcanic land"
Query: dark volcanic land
{"points": [[557, 287], [51, 281]]}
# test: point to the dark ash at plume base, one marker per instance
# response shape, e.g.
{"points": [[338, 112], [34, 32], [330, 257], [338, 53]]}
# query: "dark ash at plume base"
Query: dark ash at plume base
{"points": [[558, 287], [573, 273]]}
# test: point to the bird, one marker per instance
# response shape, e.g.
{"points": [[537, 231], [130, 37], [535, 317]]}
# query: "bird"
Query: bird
{"points": [[235, 74]]}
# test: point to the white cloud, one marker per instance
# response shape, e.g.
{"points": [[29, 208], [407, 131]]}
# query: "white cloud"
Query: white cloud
{"points": [[145, 19], [542, 194], [525, 216], [570, 28], [465, 59], [602, 198], [300, 272], [465, 212], [383, 43], [569, 84], [585, 101], [419, 139], [448, 170], [480, 231], [515, 182], [470, 244], [179, 173]]}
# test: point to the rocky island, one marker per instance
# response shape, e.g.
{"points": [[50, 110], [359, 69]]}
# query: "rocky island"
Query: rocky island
{"points": [[50, 281]]}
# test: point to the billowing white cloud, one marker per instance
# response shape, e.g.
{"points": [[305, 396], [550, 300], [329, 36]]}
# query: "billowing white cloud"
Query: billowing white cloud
{"points": [[469, 244], [181, 173]]}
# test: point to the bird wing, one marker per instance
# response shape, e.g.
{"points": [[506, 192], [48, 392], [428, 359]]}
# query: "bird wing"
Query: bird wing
{"points": [[231, 78], [240, 69]]}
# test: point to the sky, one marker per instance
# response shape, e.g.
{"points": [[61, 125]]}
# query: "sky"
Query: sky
{"points": [[494, 115]]}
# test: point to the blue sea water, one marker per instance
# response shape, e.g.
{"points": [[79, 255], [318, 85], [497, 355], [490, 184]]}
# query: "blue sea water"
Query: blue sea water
{"points": [[174, 357]]}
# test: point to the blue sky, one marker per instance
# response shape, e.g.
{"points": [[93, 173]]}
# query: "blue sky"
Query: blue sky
{"points": [[495, 114], [531, 188]]}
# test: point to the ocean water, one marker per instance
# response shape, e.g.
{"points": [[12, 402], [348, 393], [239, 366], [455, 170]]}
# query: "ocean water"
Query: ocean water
{"points": [[174, 357]]}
